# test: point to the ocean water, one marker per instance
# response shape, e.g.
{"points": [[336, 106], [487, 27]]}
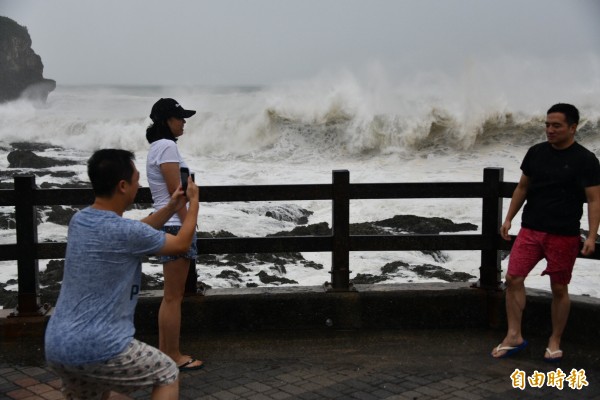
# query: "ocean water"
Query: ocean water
{"points": [[425, 128]]}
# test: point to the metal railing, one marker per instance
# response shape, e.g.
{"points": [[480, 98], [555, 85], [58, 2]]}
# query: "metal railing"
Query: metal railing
{"points": [[27, 251]]}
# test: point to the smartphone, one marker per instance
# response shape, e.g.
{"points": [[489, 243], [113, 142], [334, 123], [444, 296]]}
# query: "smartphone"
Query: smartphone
{"points": [[184, 173]]}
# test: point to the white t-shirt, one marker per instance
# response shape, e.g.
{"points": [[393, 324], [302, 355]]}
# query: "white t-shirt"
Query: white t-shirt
{"points": [[162, 151]]}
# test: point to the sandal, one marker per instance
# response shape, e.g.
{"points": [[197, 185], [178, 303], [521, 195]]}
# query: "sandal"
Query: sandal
{"points": [[187, 366]]}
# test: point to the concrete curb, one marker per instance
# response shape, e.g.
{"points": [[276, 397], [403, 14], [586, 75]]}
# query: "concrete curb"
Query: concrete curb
{"points": [[399, 306]]}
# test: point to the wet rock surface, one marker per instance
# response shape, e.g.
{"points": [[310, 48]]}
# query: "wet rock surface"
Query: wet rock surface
{"points": [[29, 159], [21, 69], [421, 225]]}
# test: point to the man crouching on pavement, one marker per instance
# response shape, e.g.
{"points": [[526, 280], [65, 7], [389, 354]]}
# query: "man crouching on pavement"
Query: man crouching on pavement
{"points": [[89, 340]]}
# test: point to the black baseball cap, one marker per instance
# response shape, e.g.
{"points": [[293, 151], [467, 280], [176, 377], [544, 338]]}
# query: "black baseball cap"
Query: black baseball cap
{"points": [[166, 108]]}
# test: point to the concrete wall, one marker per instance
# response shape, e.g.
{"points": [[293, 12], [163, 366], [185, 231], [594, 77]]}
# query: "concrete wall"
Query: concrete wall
{"points": [[402, 306]]}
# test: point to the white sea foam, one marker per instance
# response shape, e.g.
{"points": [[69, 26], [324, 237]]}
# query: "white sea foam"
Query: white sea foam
{"points": [[425, 128]]}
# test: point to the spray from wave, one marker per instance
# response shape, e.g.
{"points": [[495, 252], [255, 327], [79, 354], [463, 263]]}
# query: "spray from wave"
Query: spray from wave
{"points": [[333, 115]]}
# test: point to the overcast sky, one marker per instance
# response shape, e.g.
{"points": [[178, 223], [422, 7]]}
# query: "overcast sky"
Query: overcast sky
{"points": [[232, 42]]}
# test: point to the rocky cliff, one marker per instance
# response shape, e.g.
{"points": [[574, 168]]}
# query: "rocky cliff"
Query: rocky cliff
{"points": [[21, 69]]}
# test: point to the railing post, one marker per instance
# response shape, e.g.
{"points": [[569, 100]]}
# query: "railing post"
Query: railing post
{"points": [[340, 254], [27, 262], [491, 270]]}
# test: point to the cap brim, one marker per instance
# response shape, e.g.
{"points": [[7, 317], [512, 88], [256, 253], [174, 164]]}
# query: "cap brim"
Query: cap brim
{"points": [[187, 113]]}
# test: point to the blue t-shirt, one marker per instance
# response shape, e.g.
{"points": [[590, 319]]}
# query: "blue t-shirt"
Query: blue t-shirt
{"points": [[93, 318]]}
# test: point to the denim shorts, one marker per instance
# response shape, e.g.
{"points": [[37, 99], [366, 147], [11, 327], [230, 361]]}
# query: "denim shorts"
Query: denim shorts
{"points": [[138, 366], [191, 253]]}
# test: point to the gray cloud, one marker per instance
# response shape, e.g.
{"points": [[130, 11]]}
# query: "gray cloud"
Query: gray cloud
{"points": [[236, 42]]}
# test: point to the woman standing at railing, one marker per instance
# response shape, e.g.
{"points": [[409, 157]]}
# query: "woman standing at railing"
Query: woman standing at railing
{"points": [[163, 171]]}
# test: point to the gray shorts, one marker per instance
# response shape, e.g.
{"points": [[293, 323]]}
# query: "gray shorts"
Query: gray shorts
{"points": [[138, 366]]}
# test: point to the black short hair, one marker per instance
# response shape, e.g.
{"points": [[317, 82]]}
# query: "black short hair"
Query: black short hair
{"points": [[570, 112], [107, 167]]}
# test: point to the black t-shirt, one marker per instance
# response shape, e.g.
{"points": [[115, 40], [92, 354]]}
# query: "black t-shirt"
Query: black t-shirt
{"points": [[557, 182]]}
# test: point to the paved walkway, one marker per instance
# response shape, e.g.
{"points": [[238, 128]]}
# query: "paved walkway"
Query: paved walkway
{"points": [[411, 364]]}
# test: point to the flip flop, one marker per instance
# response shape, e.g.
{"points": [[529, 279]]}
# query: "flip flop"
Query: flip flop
{"points": [[553, 359], [510, 350], [185, 366]]}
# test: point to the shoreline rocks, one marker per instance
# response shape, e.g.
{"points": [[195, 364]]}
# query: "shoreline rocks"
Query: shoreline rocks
{"points": [[21, 69], [28, 159], [237, 270]]}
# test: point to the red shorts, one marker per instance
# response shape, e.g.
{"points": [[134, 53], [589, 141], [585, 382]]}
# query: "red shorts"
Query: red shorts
{"points": [[531, 246]]}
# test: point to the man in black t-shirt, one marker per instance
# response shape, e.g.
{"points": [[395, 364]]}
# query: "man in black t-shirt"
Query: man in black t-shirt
{"points": [[559, 175]]}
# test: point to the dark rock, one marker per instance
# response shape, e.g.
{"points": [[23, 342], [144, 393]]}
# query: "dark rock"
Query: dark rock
{"points": [[53, 273], [312, 264], [437, 255], [372, 228], [242, 269], [427, 271], [67, 185], [8, 177], [229, 275], [320, 229], [290, 213], [279, 268], [393, 267], [22, 155], [8, 298], [424, 225], [213, 234], [60, 215], [368, 228], [28, 159], [368, 279], [239, 258], [432, 271], [34, 146], [51, 280], [21, 69], [277, 258], [241, 261], [207, 259], [7, 220], [271, 279], [66, 174]]}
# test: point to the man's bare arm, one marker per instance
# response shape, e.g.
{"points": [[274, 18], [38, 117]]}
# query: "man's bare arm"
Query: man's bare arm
{"points": [[592, 194], [516, 202]]}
